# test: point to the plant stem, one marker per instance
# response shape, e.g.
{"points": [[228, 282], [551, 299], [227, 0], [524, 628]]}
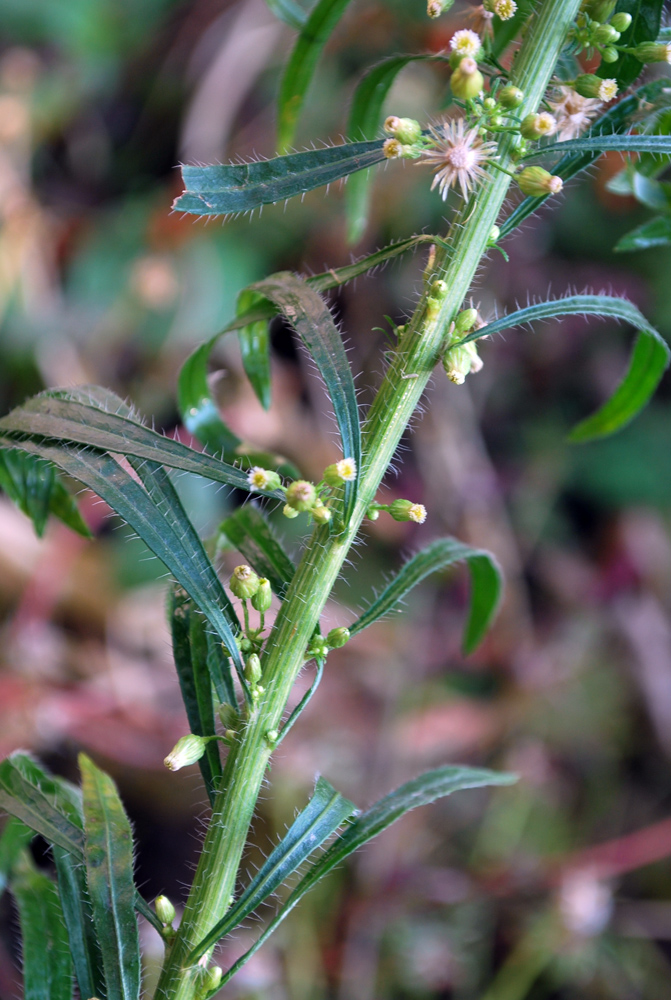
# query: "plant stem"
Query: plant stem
{"points": [[396, 402]]}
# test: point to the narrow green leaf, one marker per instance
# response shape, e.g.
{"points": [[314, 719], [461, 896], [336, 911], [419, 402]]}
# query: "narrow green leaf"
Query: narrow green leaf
{"points": [[617, 119], [78, 916], [506, 31], [288, 12], [648, 363], [52, 415], [423, 790], [47, 968], [303, 308], [35, 488], [255, 348], [304, 702], [250, 533], [630, 143], [15, 837], [129, 499], [486, 584], [302, 63], [646, 17], [365, 119], [235, 187], [40, 801], [655, 233], [326, 811], [190, 651], [108, 852]]}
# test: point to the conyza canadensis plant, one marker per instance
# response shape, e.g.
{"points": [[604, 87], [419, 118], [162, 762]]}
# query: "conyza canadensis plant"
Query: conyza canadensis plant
{"points": [[523, 120]]}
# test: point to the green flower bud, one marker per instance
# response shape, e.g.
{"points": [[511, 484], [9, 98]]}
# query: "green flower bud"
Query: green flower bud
{"points": [[651, 52], [489, 103], [406, 510], [318, 647], [605, 34], [372, 513], [321, 513], [253, 672], [510, 97], [244, 582], [494, 234], [466, 81], [610, 54], [165, 911], [537, 182], [589, 85], [538, 126], [406, 130], [621, 21], [211, 980], [229, 715], [289, 512], [466, 320], [301, 495], [263, 597], [600, 10], [337, 637], [461, 361], [186, 750]]}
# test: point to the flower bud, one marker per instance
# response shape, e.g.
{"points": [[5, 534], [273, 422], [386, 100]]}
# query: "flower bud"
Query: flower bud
{"points": [[494, 234], [263, 479], [651, 52], [610, 54], [467, 81], [321, 513], [536, 126], [301, 495], [589, 85], [318, 647], [406, 130], [337, 637], [289, 512], [600, 10], [165, 911], [465, 320], [186, 750], [211, 980], [372, 513], [244, 582], [340, 472], [461, 361], [437, 7], [229, 715], [510, 97], [606, 34], [621, 21], [263, 597], [406, 510], [537, 182], [253, 672]]}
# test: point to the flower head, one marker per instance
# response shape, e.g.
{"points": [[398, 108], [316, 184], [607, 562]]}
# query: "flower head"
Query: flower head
{"points": [[405, 510], [263, 479], [573, 112], [186, 750], [244, 582], [505, 9], [608, 90], [465, 43], [458, 156], [301, 495]]}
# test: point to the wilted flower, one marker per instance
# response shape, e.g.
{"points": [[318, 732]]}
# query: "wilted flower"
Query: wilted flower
{"points": [[458, 155], [573, 112]]}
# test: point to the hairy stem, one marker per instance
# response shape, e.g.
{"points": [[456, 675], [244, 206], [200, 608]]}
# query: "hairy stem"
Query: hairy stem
{"points": [[419, 350]]}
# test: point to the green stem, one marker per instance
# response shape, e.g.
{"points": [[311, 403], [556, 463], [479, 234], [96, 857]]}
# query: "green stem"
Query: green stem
{"points": [[424, 338]]}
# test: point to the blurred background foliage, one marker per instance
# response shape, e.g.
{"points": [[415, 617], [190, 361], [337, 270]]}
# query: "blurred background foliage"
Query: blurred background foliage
{"points": [[558, 889]]}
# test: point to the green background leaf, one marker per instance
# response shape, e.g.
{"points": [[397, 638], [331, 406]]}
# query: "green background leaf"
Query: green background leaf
{"points": [[47, 968]]}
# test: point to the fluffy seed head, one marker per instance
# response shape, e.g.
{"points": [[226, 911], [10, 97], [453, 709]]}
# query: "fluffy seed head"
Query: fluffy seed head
{"points": [[573, 112], [458, 155]]}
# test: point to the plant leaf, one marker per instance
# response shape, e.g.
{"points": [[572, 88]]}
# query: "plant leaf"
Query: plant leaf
{"points": [[190, 651], [312, 321], [47, 968], [40, 801], [486, 584], [649, 360], [646, 17], [302, 63], [617, 119], [78, 916], [35, 488], [654, 233], [255, 348], [630, 143], [365, 119], [326, 811], [240, 187], [427, 788], [250, 533], [108, 853], [288, 12], [15, 837]]}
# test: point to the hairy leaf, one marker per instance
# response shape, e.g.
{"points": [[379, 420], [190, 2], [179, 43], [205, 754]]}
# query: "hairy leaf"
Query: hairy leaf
{"points": [[248, 530], [15, 837], [47, 968], [78, 916], [255, 348], [427, 788], [108, 853], [326, 811], [312, 321], [35, 488], [649, 360], [241, 187], [630, 143], [40, 801], [646, 17], [655, 233], [486, 583], [617, 119], [302, 63]]}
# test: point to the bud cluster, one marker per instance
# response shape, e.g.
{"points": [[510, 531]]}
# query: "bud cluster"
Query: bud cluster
{"points": [[320, 646], [598, 30]]}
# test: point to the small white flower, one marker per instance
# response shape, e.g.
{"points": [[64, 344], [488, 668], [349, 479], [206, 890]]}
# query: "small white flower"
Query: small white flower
{"points": [[417, 513], [458, 156], [258, 478], [346, 469], [608, 90], [465, 42], [505, 9], [546, 123]]}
